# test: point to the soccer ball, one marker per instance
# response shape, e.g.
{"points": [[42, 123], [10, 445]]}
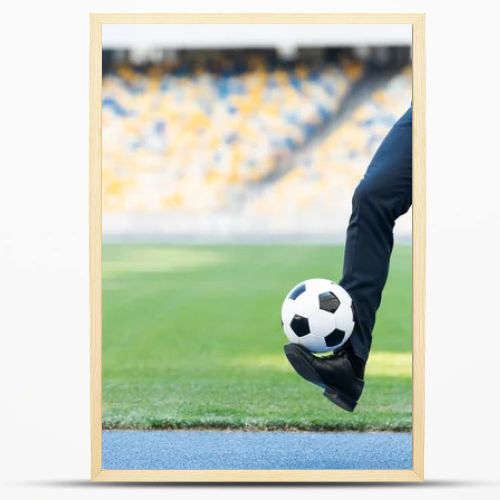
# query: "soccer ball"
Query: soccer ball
{"points": [[318, 315]]}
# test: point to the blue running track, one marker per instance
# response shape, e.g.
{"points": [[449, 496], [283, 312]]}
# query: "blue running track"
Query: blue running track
{"points": [[255, 450]]}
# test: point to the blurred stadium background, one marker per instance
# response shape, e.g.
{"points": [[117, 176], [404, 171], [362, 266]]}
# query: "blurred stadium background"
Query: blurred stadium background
{"points": [[233, 134], [252, 138]]}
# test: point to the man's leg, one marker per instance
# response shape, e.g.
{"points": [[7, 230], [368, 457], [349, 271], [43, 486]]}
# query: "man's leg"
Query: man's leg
{"points": [[381, 197]]}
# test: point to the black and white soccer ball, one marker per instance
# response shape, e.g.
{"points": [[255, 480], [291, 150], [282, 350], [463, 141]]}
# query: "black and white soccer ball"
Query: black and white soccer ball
{"points": [[318, 315]]}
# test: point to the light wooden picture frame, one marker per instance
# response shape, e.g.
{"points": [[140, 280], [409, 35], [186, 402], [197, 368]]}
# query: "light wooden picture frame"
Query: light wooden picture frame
{"points": [[418, 259]]}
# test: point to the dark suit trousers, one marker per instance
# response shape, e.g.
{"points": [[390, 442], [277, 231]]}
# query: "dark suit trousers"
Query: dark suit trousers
{"points": [[384, 193]]}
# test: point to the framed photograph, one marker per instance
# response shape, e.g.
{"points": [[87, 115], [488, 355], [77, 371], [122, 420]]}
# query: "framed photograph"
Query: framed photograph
{"points": [[257, 247]]}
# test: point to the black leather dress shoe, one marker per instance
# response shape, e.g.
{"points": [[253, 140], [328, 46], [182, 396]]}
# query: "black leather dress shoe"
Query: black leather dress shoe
{"points": [[335, 374]]}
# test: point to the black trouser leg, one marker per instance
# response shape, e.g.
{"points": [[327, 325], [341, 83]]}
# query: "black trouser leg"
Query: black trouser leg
{"points": [[381, 197]]}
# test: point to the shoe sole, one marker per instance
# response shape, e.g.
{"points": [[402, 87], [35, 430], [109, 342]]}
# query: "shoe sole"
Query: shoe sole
{"points": [[302, 366]]}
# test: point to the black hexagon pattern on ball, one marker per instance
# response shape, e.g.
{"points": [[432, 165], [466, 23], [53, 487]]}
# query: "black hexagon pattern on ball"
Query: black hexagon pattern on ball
{"points": [[334, 338], [298, 290], [300, 326], [328, 301]]}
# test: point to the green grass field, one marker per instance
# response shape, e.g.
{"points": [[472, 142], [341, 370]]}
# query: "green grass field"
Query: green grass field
{"points": [[192, 338]]}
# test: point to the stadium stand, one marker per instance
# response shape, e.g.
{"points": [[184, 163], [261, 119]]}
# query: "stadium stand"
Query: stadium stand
{"points": [[323, 178], [178, 138], [210, 137]]}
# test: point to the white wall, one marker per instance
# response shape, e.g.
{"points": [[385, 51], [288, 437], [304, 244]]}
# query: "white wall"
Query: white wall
{"points": [[144, 36], [44, 421]]}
